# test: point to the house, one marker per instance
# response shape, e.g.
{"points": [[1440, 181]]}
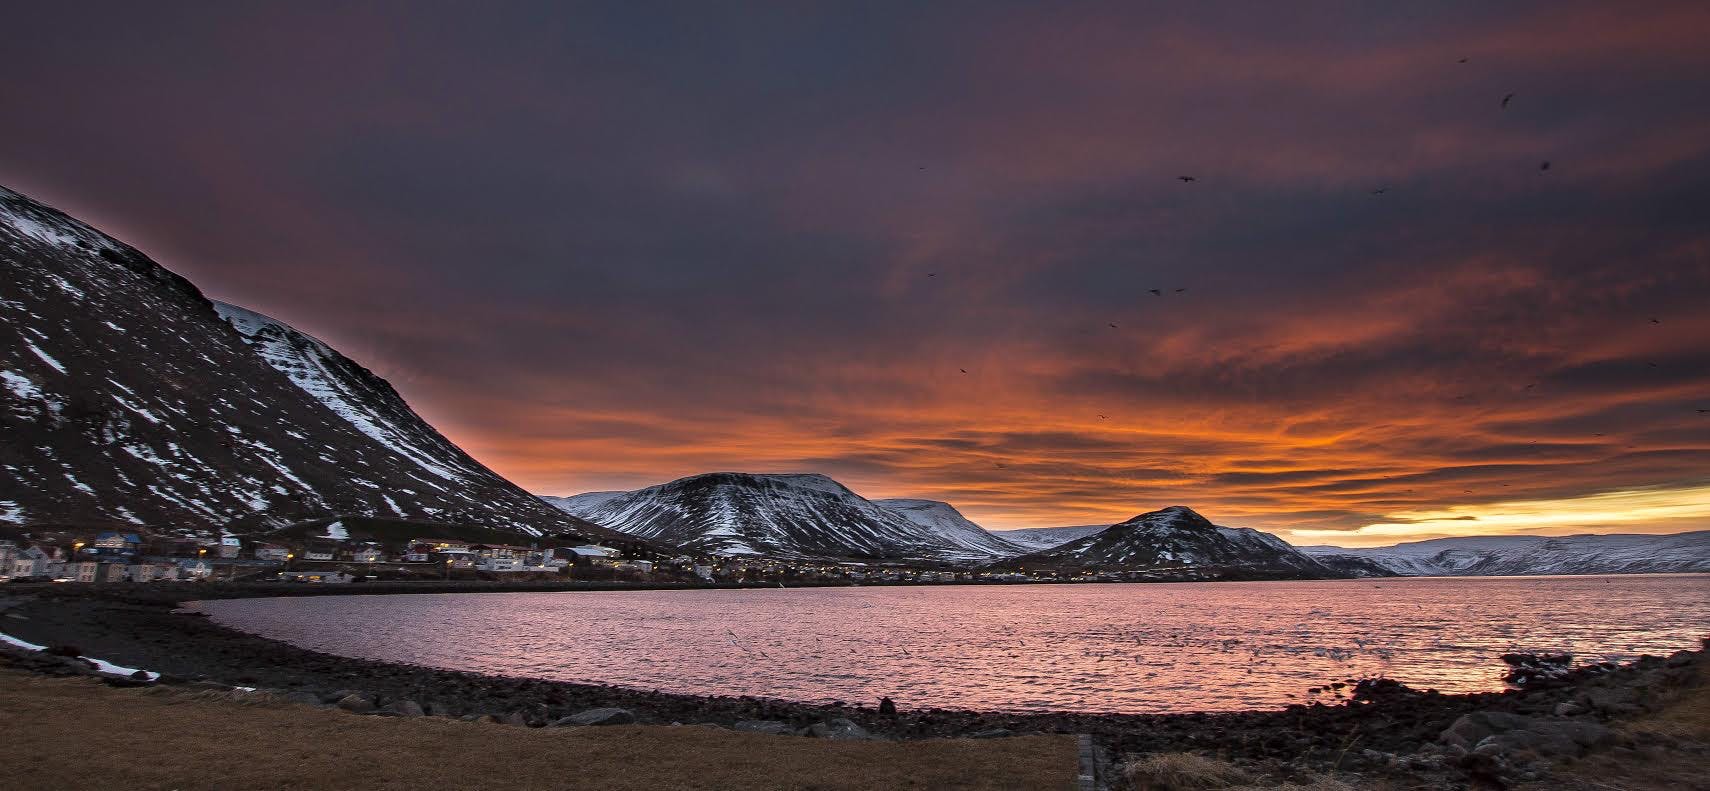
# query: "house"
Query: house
{"points": [[551, 558], [368, 554], [197, 569], [595, 554], [113, 542], [34, 562], [499, 557], [155, 572], [112, 572], [457, 559], [82, 571], [418, 552], [230, 545], [320, 550], [274, 552]]}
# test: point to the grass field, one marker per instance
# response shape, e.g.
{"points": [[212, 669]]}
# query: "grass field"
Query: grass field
{"points": [[78, 734]]}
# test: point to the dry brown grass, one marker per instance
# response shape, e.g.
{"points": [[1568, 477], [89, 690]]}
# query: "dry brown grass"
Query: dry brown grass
{"points": [[75, 734], [1663, 759], [1191, 772], [1182, 772]]}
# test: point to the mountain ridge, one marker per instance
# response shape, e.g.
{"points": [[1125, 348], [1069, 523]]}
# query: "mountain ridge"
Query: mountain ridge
{"points": [[129, 401]]}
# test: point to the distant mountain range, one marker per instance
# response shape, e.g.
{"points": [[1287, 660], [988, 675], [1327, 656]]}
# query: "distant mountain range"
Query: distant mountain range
{"points": [[1525, 555], [1036, 538], [1177, 541], [788, 516], [128, 399]]}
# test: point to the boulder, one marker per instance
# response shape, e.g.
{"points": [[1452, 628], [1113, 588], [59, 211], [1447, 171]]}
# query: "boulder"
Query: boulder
{"points": [[838, 728], [304, 697], [887, 707], [764, 726], [335, 697], [356, 703], [1471, 729], [603, 716], [405, 708]]}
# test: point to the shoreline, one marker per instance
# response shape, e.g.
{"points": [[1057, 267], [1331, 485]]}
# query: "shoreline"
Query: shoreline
{"points": [[1397, 730]]}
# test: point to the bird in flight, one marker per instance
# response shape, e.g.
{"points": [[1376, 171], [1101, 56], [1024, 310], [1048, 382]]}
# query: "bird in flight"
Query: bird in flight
{"points": [[1380, 190], [1704, 411], [1544, 165], [1506, 100], [932, 274], [1155, 292], [963, 370], [1180, 290], [1186, 179], [1102, 417], [1462, 60], [1655, 320]]}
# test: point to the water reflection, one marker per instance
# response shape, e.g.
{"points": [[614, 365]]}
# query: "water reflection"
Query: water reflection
{"points": [[1129, 648]]}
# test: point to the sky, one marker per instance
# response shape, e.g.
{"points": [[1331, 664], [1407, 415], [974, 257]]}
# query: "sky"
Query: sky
{"points": [[914, 246]]}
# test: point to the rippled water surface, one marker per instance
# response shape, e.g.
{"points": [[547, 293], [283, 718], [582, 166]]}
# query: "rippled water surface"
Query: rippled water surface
{"points": [[1128, 648]]}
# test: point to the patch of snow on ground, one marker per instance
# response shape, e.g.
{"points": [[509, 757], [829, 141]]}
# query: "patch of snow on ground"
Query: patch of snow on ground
{"points": [[11, 512], [21, 386], [101, 665], [45, 358]]}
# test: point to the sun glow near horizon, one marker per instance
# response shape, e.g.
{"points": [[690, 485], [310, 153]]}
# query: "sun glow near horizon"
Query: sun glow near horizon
{"points": [[1653, 510]]}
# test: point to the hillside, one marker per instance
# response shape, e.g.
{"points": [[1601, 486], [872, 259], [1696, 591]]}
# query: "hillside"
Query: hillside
{"points": [[128, 401], [1177, 541]]}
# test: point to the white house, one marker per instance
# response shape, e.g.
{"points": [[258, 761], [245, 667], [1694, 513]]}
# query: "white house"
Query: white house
{"points": [[274, 552], [368, 554], [197, 569]]}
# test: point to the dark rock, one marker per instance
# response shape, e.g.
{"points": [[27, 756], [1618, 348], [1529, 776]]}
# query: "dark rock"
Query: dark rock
{"points": [[63, 650], [601, 716], [356, 704], [141, 675], [1533, 670], [304, 697], [838, 728], [764, 726], [887, 707], [405, 708]]}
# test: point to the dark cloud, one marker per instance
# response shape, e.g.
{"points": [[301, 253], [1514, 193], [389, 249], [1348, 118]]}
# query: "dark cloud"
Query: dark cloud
{"points": [[603, 246]]}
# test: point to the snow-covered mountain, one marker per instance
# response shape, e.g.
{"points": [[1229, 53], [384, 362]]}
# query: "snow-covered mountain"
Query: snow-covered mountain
{"points": [[1178, 541], [948, 523], [797, 517], [126, 400], [1037, 538], [581, 505], [1522, 555]]}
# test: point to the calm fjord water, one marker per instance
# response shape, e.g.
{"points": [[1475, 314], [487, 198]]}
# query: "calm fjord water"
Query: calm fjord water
{"points": [[1117, 648]]}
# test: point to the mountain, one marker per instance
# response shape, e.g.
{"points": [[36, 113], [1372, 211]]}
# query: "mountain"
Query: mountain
{"points": [[1036, 538], [581, 504], [1525, 555], [126, 399], [1179, 543], [794, 517], [949, 524]]}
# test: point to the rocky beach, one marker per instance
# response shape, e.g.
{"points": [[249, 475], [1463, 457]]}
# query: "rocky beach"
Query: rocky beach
{"points": [[1383, 732]]}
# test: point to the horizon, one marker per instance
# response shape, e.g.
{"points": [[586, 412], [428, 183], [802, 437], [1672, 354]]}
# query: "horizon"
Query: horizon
{"points": [[917, 252]]}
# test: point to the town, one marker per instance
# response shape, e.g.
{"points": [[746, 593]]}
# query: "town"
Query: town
{"points": [[334, 556]]}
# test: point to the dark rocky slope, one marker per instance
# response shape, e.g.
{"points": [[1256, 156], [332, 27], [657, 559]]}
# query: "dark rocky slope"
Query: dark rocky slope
{"points": [[126, 401]]}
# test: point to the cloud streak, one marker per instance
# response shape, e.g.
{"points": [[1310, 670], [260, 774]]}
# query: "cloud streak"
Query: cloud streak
{"points": [[604, 249]]}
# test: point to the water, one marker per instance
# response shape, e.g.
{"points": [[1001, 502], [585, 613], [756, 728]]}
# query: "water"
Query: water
{"points": [[1116, 648]]}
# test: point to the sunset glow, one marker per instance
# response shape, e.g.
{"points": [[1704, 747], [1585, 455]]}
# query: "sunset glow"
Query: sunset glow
{"points": [[1378, 317]]}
